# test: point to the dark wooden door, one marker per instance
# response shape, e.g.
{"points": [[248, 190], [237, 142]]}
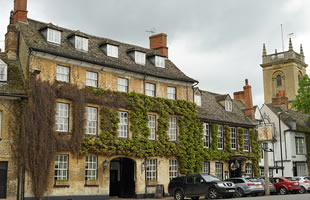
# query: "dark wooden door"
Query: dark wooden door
{"points": [[3, 179]]}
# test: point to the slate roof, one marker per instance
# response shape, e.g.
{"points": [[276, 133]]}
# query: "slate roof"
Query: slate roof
{"points": [[14, 85], [302, 123], [35, 40], [212, 110]]}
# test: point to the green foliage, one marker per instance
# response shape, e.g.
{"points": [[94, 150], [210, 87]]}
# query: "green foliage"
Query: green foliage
{"points": [[256, 151], [227, 139], [214, 138], [241, 139], [302, 102]]}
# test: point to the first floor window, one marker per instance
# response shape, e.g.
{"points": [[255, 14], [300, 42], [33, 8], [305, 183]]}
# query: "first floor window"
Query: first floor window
{"points": [[248, 170], [206, 135], [62, 117], [173, 168], [92, 79], [91, 168], [152, 127], [300, 145], [61, 168], [233, 135], [171, 93], [123, 125], [246, 139], [172, 132], [220, 137], [151, 170], [150, 89], [206, 167], [63, 74], [219, 170], [122, 84], [91, 120]]}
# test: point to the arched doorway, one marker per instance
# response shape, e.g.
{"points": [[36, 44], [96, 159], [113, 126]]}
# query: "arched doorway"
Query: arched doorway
{"points": [[122, 177]]}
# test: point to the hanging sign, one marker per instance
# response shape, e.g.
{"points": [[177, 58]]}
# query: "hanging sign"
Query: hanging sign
{"points": [[265, 132]]}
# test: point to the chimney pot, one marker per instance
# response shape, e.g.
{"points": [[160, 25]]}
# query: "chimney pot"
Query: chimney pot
{"points": [[159, 42], [246, 82]]}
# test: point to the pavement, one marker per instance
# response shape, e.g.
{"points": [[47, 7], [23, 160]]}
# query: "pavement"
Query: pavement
{"points": [[271, 197]]}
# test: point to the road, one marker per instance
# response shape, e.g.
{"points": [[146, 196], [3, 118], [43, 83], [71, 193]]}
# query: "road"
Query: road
{"points": [[272, 197]]}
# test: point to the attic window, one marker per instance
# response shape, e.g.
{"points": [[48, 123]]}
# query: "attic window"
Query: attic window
{"points": [[3, 71], [81, 43], [112, 50], [197, 100], [53, 36], [228, 105], [140, 57], [159, 61]]}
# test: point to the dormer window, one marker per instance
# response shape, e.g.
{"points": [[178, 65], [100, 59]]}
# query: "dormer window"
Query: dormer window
{"points": [[112, 50], [228, 105], [81, 43], [53, 36], [160, 61], [197, 100], [140, 57], [3, 71]]}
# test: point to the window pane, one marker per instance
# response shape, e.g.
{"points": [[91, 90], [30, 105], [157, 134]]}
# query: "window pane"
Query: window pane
{"points": [[91, 168], [173, 168], [61, 167], [63, 74], [91, 79], [62, 117], [91, 120], [172, 132], [151, 170], [123, 125], [150, 89], [139, 57], [152, 126], [122, 84], [171, 93]]}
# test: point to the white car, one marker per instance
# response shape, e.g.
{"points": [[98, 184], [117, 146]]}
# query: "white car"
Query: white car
{"points": [[304, 182]]}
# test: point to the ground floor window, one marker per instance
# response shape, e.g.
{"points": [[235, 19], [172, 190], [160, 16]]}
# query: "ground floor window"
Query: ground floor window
{"points": [[301, 169], [219, 170], [206, 167], [262, 172], [248, 170], [61, 167], [173, 168], [151, 170], [91, 168]]}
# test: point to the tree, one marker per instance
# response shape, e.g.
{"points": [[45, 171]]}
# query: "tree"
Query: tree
{"points": [[302, 102]]}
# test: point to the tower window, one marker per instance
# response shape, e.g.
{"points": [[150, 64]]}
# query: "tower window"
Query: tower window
{"points": [[279, 81]]}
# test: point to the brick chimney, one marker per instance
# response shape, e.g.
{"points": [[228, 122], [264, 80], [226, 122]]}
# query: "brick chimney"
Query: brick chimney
{"points": [[246, 97], [280, 101], [20, 11], [159, 42]]}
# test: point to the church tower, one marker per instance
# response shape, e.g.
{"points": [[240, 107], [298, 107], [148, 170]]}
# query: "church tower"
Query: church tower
{"points": [[282, 72]]}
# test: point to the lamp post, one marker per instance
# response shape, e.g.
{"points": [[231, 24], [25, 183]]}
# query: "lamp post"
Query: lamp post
{"points": [[282, 168]]}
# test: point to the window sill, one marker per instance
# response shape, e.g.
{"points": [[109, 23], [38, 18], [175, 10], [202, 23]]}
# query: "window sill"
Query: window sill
{"points": [[150, 183], [61, 184], [91, 183]]}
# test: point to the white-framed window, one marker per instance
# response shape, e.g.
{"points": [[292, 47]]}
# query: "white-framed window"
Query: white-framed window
{"points": [[219, 170], [228, 105], [172, 131], [220, 137], [206, 135], [140, 57], [151, 170], [91, 120], [233, 136], [112, 50], [91, 168], [0, 124], [3, 71], [122, 84], [197, 100], [301, 169], [81, 43], [246, 139], [171, 93], [61, 167], [92, 79], [152, 126], [262, 172], [173, 168], [63, 74], [206, 167], [150, 89], [248, 170], [160, 61], [62, 117], [300, 145], [123, 124], [53, 36]]}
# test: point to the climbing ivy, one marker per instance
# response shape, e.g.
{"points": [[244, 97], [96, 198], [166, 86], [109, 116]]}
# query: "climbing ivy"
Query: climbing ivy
{"points": [[227, 138], [214, 138], [241, 139]]}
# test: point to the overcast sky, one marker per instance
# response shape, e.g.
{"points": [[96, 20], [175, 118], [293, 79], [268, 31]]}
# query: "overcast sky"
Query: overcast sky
{"points": [[217, 42]]}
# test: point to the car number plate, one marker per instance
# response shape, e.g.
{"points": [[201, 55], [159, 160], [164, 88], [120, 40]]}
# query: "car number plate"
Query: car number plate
{"points": [[257, 185], [231, 190]]}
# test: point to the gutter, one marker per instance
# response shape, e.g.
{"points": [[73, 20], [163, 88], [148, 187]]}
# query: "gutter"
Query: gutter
{"points": [[228, 123], [121, 67]]}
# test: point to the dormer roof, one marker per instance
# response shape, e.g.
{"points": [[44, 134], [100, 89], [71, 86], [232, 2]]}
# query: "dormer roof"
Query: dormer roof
{"points": [[95, 55]]}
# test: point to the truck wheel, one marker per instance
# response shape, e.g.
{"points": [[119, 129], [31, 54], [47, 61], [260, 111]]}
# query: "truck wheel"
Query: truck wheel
{"points": [[178, 195], [283, 190], [212, 193]]}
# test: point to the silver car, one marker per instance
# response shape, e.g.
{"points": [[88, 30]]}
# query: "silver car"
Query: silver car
{"points": [[304, 182], [246, 186], [272, 189]]}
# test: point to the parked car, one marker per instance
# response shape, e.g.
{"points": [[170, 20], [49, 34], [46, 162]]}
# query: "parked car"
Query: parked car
{"points": [[246, 186], [283, 185], [304, 183], [272, 189], [196, 185]]}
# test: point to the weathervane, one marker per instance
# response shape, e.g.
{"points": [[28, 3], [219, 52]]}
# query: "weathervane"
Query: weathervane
{"points": [[152, 31]]}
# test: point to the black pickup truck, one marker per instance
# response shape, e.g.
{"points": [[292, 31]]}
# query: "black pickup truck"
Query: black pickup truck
{"points": [[196, 185]]}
